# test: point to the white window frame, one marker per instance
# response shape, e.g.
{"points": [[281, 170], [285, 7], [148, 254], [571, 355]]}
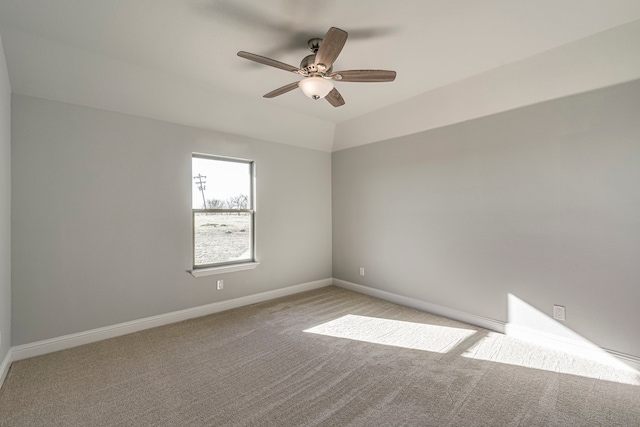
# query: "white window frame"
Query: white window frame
{"points": [[228, 266]]}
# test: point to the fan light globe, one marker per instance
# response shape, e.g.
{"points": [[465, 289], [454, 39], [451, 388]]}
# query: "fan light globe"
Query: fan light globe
{"points": [[315, 87]]}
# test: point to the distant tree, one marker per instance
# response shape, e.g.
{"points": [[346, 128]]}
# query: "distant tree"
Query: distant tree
{"points": [[243, 201], [240, 201], [215, 204]]}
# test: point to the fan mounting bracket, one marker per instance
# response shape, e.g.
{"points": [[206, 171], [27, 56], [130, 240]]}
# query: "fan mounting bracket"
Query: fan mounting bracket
{"points": [[314, 44]]}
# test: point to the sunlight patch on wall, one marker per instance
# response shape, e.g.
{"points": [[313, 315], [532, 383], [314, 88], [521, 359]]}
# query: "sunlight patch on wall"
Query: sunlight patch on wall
{"points": [[397, 333], [535, 340], [527, 323]]}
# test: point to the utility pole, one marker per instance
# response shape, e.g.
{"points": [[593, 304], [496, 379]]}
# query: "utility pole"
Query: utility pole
{"points": [[201, 186]]}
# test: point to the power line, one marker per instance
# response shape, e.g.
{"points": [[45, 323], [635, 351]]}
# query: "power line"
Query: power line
{"points": [[201, 186]]}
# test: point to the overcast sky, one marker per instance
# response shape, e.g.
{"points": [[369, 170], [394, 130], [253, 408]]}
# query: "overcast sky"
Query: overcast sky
{"points": [[223, 180]]}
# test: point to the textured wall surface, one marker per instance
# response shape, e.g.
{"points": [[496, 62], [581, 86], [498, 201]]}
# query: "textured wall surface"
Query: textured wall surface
{"points": [[5, 208], [102, 218], [541, 202]]}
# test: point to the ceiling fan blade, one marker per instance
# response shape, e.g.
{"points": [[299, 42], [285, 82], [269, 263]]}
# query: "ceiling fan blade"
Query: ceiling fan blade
{"points": [[267, 61], [331, 46], [335, 98], [281, 90], [364, 76]]}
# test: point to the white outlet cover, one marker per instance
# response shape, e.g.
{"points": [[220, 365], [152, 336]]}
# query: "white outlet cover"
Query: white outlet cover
{"points": [[559, 312], [220, 284]]}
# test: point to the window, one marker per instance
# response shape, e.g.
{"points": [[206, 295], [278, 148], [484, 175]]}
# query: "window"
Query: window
{"points": [[223, 211]]}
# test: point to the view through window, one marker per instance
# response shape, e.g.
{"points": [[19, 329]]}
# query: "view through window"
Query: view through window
{"points": [[223, 215]]}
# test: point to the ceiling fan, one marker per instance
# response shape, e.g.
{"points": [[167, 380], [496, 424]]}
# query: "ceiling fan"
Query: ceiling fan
{"points": [[317, 69]]}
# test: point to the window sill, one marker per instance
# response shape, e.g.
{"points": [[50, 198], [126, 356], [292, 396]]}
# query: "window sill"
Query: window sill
{"points": [[210, 271]]}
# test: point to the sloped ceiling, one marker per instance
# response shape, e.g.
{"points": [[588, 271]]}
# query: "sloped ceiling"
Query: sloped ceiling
{"points": [[456, 60]]}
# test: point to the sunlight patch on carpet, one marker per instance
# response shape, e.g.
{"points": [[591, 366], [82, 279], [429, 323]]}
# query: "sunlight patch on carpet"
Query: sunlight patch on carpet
{"points": [[396, 333], [499, 348]]}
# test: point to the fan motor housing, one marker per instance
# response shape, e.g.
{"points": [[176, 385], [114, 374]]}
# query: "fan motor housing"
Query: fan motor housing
{"points": [[308, 64]]}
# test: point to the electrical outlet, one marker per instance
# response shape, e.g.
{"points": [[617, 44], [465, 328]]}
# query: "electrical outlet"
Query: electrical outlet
{"points": [[559, 312], [220, 285], [362, 271]]}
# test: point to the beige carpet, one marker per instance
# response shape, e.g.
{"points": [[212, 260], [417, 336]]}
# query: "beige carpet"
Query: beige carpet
{"points": [[328, 357]]}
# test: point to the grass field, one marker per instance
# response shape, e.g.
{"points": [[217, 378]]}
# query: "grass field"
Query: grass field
{"points": [[221, 237]]}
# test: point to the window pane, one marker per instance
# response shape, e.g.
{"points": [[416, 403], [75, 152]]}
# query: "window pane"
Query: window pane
{"points": [[220, 184], [222, 237]]}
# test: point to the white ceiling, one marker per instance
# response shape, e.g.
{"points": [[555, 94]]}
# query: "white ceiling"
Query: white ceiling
{"points": [[176, 60]]}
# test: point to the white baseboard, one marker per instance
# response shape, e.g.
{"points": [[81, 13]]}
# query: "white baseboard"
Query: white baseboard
{"points": [[537, 337], [73, 340], [39, 348], [483, 322], [5, 365]]}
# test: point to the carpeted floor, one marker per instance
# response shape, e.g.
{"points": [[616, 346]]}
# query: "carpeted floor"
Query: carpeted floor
{"points": [[327, 357]]}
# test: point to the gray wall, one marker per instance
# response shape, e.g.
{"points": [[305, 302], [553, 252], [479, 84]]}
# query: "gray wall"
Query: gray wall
{"points": [[102, 218], [541, 202], [5, 208]]}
